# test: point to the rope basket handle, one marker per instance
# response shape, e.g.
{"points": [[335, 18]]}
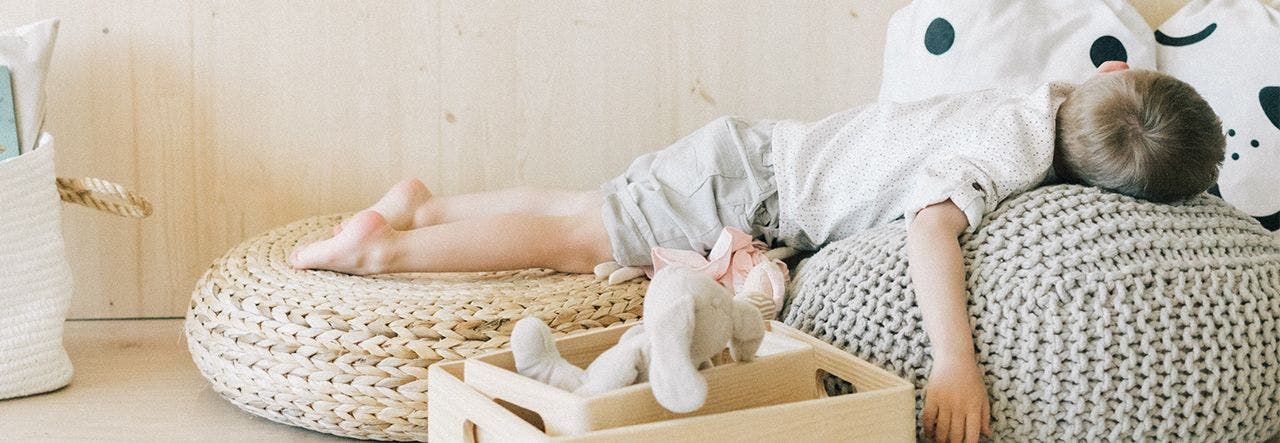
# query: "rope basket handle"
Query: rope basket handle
{"points": [[104, 196]]}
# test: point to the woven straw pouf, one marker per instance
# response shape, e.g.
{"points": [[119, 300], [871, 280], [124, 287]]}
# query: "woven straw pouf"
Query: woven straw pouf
{"points": [[348, 355]]}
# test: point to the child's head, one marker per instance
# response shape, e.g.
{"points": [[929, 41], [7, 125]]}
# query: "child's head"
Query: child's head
{"points": [[1140, 133]]}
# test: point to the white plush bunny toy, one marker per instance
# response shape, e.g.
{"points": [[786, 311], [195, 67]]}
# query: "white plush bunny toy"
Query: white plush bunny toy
{"points": [[688, 319]]}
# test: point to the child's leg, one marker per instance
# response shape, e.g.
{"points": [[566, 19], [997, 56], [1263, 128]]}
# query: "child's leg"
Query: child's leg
{"points": [[520, 200], [410, 205], [369, 245]]}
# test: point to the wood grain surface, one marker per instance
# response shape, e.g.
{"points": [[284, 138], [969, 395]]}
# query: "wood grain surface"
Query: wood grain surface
{"points": [[236, 116]]}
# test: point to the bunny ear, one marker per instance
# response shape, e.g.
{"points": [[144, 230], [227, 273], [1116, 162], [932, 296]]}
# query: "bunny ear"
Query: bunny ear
{"points": [[669, 322], [1269, 97]]}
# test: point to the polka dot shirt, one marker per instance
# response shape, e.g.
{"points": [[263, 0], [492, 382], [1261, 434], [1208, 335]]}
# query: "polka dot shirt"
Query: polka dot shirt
{"points": [[870, 165]]}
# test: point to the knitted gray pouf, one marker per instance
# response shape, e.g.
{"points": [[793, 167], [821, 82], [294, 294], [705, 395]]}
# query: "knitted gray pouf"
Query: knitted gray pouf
{"points": [[1096, 316]]}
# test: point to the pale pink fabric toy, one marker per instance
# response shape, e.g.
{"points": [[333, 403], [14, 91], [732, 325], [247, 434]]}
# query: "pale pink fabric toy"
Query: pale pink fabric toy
{"points": [[737, 261]]}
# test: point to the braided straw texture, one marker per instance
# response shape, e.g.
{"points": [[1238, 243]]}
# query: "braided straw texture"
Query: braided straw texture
{"points": [[35, 279], [1096, 316], [348, 355]]}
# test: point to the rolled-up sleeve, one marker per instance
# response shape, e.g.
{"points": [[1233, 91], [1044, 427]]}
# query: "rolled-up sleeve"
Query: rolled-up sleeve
{"points": [[954, 179]]}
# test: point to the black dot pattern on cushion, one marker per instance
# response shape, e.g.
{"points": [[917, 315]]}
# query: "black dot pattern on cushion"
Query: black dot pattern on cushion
{"points": [[1270, 222], [939, 36], [1192, 39], [1097, 317], [1269, 97], [1107, 48]]}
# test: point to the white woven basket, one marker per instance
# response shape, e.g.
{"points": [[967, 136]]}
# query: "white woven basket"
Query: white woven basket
{"points": [[35, 279]]}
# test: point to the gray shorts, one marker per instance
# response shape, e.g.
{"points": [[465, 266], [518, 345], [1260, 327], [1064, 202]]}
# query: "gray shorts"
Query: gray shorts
{"points": [[683, 196]]}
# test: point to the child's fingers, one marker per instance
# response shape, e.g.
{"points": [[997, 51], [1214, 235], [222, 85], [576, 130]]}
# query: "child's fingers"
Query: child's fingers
{"points": [[930, 417], [942, 431], [972, 426], [986, 419], [957, 428]]}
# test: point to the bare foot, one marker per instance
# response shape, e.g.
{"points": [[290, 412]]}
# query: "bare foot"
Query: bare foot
{"points": [[399, 206], [361, 248]]}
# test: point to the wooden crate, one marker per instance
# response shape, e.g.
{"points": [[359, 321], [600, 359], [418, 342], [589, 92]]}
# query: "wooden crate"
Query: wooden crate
{"points": [[777, 397]]}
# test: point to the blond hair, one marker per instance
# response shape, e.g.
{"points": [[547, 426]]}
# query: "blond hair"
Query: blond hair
{"points": [[1139, 133]]}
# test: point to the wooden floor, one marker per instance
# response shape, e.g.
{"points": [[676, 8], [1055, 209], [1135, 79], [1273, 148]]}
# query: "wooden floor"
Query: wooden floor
{"points": [[134, 381]]}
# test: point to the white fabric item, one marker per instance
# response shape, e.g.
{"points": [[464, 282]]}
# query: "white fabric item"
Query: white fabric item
{"points": [[1229, 50], [26, 50], [1007, 44], [35, 279], [868, 166], [665, 351]]}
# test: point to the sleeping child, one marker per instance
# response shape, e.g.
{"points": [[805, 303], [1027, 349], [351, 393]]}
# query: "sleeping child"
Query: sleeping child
{"points": [[940, 163]]}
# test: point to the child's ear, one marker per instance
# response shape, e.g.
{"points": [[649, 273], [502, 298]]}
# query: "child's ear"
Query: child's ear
{"points": [[1269, 97]]}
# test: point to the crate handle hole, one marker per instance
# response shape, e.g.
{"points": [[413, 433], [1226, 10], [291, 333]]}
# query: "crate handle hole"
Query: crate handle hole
{"points": [[830, 385], [469, 431], [533, 418]]}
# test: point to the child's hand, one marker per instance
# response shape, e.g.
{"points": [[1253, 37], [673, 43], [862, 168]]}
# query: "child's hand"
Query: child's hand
{"points": [[956, 408]]}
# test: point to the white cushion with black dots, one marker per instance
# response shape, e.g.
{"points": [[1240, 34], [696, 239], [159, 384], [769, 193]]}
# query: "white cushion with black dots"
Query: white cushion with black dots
{"points": [[1229, 51], [946, 46]]}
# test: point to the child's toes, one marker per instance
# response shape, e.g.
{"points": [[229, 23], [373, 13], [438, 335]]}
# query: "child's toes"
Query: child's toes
{"points": [[353, 250], [308, 257]]}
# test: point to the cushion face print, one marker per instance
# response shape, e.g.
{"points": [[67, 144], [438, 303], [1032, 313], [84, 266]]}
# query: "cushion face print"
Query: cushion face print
{"points": [[946, 46], [1229, 50]]}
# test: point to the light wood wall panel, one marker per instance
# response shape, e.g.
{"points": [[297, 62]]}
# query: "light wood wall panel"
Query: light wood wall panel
{"points": [[236, 116]]}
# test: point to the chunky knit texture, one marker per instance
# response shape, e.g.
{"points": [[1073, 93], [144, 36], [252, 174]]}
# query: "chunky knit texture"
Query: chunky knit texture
{"points": [[1096, 316]]}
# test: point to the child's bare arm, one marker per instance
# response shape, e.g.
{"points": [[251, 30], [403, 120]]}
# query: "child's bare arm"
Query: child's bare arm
{"points": [[956, 406]]}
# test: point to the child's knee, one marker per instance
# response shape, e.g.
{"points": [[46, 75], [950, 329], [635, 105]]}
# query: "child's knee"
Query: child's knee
{"points": [[588, 240]]}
